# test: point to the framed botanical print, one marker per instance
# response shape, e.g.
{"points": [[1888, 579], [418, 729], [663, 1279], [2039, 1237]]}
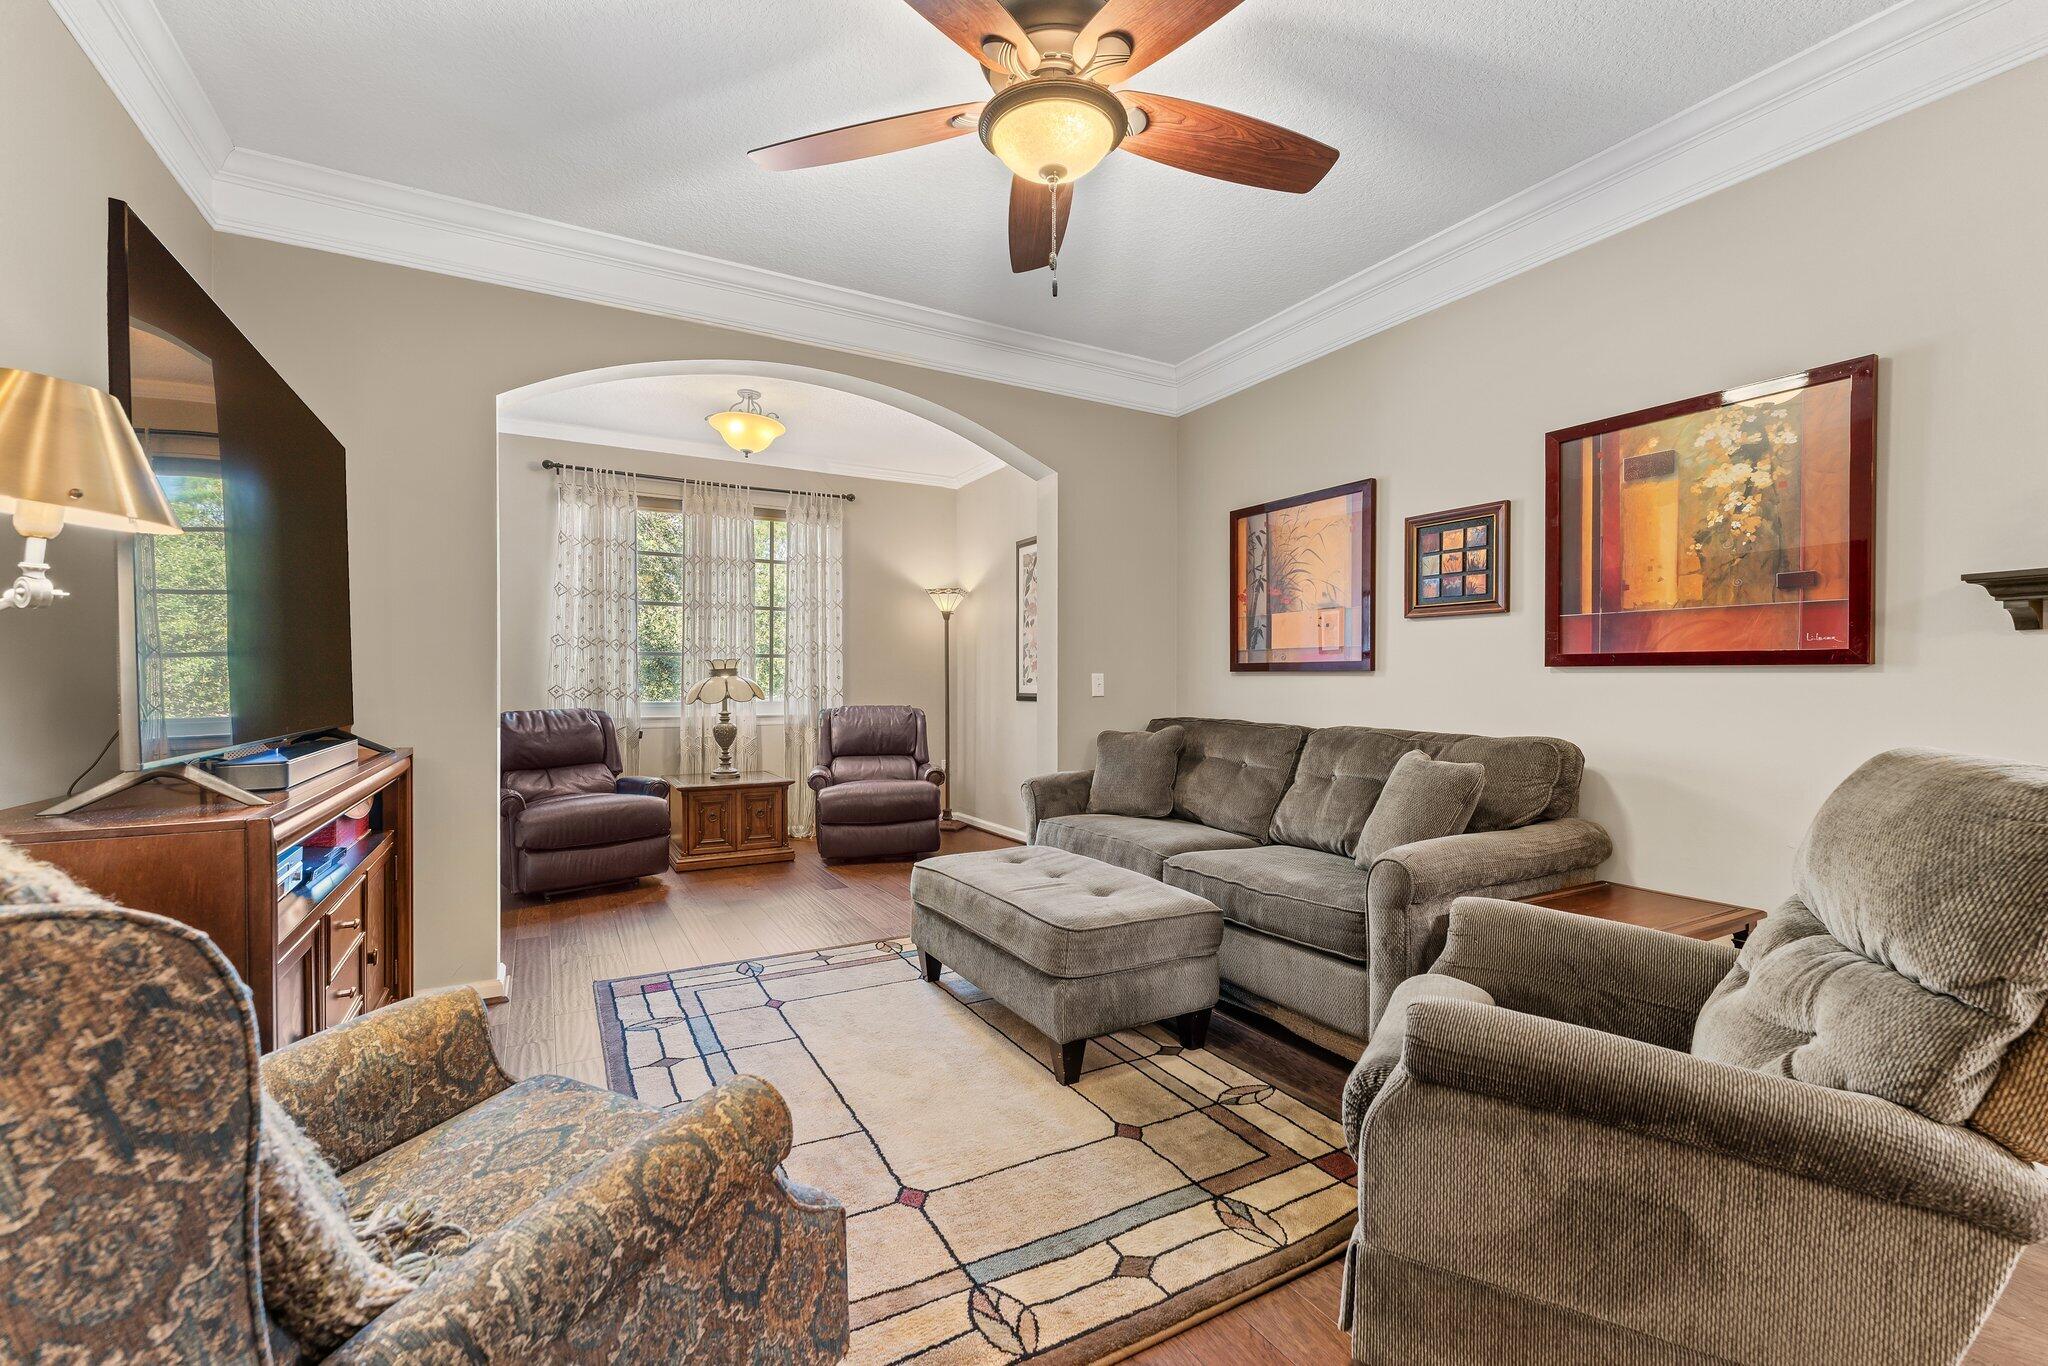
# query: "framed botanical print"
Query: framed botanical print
{"points": [[1732, 528], [1027, 619], [1456, 562], [1301, 582]]}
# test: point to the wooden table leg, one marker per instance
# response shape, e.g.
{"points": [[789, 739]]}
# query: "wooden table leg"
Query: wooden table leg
{"points": [[1070, 1061], [1192, 1028]]}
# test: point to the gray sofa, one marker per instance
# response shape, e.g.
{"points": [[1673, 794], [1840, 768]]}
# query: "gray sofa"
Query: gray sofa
{"points": [[1265, 824]]}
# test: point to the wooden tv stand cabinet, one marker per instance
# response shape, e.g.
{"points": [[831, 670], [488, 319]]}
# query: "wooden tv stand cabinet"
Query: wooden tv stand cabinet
{"points": [[212, 863]]}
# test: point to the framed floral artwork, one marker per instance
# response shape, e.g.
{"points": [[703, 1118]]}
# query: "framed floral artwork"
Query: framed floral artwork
{"points": [[1732, 528], [1301, 582], [1456, 562], [1027, 619]]}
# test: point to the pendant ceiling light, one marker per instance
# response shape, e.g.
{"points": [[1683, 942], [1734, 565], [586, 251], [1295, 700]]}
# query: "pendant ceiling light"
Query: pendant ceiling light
{"points": [[745, 427]]}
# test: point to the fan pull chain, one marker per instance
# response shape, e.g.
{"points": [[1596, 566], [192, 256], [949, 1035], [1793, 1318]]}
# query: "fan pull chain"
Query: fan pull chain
{"points": [[1052, 259]]}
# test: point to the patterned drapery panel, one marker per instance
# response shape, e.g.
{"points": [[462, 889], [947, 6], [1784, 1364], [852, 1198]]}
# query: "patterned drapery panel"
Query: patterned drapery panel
{"points": [[593, 658], [718, 614], [816, 640]]}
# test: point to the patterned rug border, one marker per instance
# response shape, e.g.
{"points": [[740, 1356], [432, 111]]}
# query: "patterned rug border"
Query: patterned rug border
{"points": [[1114, 1341]]}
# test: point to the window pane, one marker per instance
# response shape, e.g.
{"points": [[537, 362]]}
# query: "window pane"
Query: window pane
{"points": [[196, 687], [777, 672], [762, 544], [764, 589], [661, 630], [780, 645], [781, 539], [194, 499], [194, 560], [660, 530], [190, 624], [764, 638], [779, 589], [660, 678], [764, 674], [660, 580]]}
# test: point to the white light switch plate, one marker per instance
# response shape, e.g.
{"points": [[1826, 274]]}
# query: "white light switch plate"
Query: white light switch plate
{"points": [[1095, 685]]}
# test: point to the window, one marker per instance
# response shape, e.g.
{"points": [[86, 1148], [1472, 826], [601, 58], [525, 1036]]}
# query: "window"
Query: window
{"points": [[658, 561], [186, 579]]}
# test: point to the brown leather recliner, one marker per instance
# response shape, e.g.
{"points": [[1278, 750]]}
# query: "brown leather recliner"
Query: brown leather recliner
{"points": [[878, 791], [569, 820]]}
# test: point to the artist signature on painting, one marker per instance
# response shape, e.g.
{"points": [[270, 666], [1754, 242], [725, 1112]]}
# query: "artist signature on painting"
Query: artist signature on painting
{"points": [[1820, 638]]}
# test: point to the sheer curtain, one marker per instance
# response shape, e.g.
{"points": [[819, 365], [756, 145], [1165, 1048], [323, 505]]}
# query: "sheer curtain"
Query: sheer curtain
{"points": [[718, 615], [814, 635], [594, 656]]}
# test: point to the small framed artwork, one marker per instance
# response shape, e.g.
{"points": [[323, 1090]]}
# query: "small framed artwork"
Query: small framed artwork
{"points": [[1301, 582], [1731, 528], [1027, 619], [1457, 562]]}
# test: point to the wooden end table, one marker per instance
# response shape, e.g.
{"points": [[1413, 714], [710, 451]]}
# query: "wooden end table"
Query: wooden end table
{"points": [[728, 822], [1667, 911]]}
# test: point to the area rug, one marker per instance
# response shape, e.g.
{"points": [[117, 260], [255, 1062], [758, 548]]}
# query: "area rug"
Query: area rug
{"points": [[993, 1214]]}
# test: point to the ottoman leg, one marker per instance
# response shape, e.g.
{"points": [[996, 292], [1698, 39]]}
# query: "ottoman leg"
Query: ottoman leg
{"points": [[1192, 1028], [929, 964], [1070, 1061]]}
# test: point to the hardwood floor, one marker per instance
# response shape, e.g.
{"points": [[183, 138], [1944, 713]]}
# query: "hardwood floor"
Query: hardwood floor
{"points": [[556, 950]]}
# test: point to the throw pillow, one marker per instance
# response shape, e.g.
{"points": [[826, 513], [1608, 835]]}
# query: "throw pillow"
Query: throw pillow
{"points": [[1424, 799], [320, 1282], [1134, 772]]}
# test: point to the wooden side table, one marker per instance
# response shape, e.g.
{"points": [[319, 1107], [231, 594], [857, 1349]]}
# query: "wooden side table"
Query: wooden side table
{"points": [[1686, 915], [730, 822]]}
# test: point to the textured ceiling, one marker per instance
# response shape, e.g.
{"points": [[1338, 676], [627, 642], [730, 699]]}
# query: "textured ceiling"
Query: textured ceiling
{"points": [[829, 430], [634, 117]]}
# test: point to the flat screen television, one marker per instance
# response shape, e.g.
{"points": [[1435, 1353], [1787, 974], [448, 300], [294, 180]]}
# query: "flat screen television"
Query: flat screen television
{"points": [[235, 634]]}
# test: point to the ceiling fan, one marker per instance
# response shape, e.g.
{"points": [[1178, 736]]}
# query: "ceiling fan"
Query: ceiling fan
{"points": [[1055, 67]]}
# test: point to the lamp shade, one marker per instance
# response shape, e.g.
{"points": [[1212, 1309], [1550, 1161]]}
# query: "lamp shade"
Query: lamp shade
{"points": [[68, 453], [744, 427], [948, 599], [726, 685], [1053, 129]]}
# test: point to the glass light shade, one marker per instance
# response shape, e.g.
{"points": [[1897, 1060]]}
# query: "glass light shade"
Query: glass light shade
{"points": [[726, 685], [747, 433], [1054, 128], [948, 599], [68, 456]]}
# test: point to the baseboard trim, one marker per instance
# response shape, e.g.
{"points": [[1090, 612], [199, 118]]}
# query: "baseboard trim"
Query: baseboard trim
{"points": [[979, 824]]}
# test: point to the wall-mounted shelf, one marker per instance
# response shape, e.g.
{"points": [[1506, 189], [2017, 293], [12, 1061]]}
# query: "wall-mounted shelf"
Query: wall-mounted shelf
{"points": [[2022, 592]]}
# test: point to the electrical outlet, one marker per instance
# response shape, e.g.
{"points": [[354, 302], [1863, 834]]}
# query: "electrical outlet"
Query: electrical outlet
{"points": [[1095, 685]]}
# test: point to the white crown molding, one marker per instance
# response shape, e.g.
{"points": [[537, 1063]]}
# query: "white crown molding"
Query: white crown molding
{"points": [[1910, 55], [584, 434], [1907, 56]]}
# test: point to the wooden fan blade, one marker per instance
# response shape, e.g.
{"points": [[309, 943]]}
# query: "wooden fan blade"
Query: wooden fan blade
{"points": [[865, 139], [967, 22], [1156, 28], [1031, 222], [1237, 147]]}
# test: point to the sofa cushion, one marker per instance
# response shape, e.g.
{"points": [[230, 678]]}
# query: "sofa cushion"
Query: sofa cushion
{"points": [[481, 1168], [597, 818], [1424, 799], [556, 737], [1913, 955], [860, 768], [878, 801], [1528, 778], [1134, 772], [573, 780], [1065, 914], [1304, 895], [1232, 773], [1134, 842], [874, 730]]}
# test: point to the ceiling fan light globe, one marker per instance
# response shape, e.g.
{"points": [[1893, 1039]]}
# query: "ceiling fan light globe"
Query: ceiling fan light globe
{"points": [[1053, 130]]}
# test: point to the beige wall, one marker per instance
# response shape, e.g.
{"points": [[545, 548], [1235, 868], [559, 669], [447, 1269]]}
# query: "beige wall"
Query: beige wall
{"points": [[66, 147], [1919, 240], [997, 745]]}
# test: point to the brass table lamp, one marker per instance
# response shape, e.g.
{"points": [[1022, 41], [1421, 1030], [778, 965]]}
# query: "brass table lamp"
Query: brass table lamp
{"points": [[725, 687]]}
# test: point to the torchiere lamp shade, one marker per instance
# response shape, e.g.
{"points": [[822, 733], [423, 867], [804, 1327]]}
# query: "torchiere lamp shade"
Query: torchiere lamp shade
{"points": [[70, 447], [948, 599]]}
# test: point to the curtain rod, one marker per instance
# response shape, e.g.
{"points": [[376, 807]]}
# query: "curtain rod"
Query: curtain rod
{"points": [[678, 479]]}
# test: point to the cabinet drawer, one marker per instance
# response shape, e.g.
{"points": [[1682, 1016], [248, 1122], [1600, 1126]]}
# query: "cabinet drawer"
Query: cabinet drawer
{"points": [[344, 981]]}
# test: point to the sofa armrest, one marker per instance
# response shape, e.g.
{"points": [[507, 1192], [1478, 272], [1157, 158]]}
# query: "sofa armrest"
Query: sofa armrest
{"points": [[367, 1086], [820, 779], [1641, 983], [643, 787], [684, 1245], [1853, 1142], [510, 803], [1055, 794], [1409, 889], [933, 774]]}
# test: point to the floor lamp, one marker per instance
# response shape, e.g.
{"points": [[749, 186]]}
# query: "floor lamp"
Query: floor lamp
{"points": [[949, 600]]}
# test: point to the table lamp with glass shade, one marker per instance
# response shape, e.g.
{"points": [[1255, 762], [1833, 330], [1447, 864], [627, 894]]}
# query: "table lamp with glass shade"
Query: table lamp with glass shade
{"points": [[725, 687], [948, 600], [68, 456]]}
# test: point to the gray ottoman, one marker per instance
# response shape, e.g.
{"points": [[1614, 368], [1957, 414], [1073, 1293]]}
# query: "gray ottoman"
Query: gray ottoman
{"points": [[1076, 947]]}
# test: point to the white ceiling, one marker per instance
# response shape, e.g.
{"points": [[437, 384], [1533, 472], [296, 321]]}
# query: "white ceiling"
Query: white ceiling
{"points": [[633, 117], [830, 430]]}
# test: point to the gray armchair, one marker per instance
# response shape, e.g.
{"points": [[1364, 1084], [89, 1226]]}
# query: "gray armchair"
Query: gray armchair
{"points": [[1583, 1141], [878, 790]]}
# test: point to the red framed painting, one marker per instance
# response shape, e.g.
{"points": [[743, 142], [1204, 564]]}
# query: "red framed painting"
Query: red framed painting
{"points": [[1732, 528], [1301, 583]]}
